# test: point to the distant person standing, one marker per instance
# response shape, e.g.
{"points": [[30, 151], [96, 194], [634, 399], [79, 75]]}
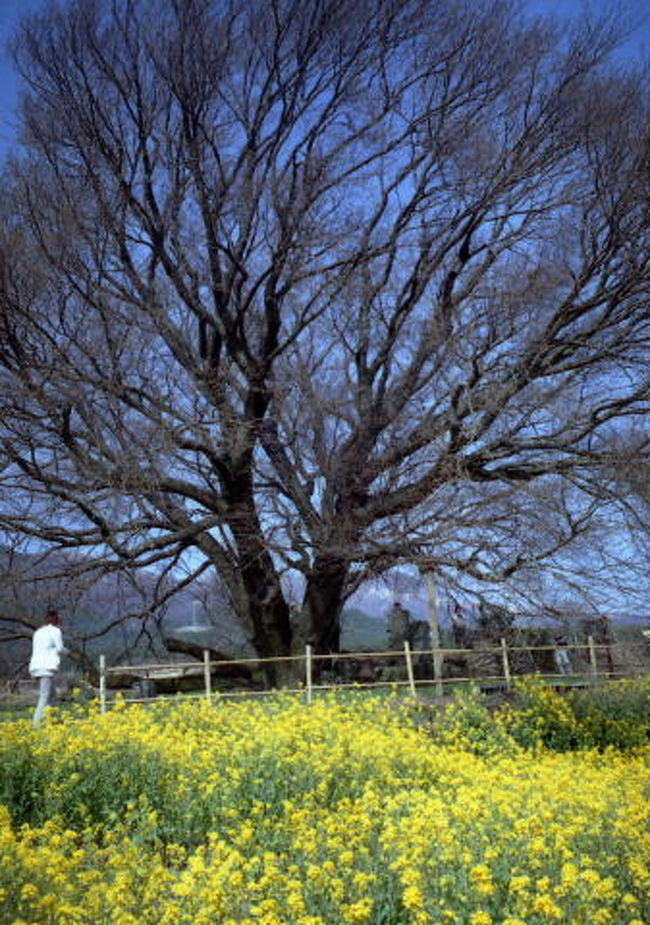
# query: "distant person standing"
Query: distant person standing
{"points": [[562, 657], [47, 649], [459, 627], [399, 622]]}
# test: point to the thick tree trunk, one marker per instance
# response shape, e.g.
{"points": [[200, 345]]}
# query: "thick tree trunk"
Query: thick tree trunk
{"points": [[268, 611], [324, 603]]}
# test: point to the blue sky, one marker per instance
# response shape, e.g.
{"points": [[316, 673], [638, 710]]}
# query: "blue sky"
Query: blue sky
{"points": [[638, 45], [10, 13]]}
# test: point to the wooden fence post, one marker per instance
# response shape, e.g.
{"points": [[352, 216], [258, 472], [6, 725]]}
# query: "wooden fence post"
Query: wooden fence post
{"points": [[593, 664], [506, 662], [206, 674], [308, 673], [409, 666], [437, 671], [102, 683], [434, 623]]}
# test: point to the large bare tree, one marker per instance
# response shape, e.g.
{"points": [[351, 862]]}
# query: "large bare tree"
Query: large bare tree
{"points": [[319, 287]]}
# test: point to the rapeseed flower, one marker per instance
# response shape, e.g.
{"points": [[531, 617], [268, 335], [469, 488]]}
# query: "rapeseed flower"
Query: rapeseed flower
{"points": [[345, 812]]}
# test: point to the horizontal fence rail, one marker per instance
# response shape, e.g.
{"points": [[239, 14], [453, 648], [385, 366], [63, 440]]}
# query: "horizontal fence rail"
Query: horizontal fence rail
{"points": [[587, 663]]}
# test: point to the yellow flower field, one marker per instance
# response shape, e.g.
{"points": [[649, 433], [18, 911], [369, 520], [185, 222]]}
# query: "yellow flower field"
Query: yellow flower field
{"points": [[342, 812]]}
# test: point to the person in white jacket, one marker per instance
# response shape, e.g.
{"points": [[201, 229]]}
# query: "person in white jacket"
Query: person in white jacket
{"points": [[47, 649]]}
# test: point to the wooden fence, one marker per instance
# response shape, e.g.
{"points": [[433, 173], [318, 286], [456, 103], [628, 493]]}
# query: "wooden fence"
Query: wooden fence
{"points": [[590, 655]]}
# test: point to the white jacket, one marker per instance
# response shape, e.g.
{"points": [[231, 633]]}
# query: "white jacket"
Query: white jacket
{"points": [[47, 647]]}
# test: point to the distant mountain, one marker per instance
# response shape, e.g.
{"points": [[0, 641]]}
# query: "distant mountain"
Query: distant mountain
{"points": [[363, 631], [90, 602]]}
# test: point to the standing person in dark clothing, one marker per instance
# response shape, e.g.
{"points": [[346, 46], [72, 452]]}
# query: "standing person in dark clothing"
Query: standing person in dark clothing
{"points": [[459, 627]]}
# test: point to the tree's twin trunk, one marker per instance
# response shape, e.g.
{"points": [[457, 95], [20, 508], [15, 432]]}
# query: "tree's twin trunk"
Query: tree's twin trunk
{"points": [[273, 630]]}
